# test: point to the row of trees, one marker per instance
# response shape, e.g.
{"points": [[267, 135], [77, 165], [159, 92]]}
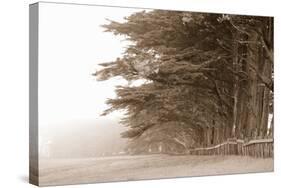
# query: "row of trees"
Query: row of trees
{"points": [[206, 78]]}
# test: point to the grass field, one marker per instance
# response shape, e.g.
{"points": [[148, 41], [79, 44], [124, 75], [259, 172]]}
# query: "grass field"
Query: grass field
{"points": [[123, 168]]}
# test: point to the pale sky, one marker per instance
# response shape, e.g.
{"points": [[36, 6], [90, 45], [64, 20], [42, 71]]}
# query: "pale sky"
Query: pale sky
{"points": [[71, 44]]}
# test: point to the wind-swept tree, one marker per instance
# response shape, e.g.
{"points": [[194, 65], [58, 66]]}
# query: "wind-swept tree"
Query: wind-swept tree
{"points": [[198, 72]]}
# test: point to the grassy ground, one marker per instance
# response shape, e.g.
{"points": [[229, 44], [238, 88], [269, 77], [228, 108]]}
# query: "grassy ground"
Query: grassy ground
{"points": [[123, 168]]}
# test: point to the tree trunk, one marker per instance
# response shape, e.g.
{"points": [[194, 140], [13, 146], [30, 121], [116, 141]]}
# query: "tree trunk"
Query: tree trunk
{"points": [[236, 82], [252, 63], [266, 73]]}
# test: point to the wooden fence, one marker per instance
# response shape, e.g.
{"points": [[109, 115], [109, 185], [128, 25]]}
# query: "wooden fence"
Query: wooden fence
{"points": [[255, 148]]}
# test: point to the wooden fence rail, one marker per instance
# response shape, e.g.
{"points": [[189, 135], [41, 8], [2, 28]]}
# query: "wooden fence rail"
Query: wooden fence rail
{"points": [[255, 148]]}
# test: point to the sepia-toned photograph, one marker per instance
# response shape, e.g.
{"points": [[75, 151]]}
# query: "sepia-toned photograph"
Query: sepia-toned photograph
{"points": [[134, 94]]}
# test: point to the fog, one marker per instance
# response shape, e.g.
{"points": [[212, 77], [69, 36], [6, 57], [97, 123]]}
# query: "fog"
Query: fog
{"points": [[84, 138], [71, 45]]}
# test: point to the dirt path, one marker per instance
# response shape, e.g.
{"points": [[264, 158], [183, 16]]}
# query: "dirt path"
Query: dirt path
{"points": [[122, 168]]}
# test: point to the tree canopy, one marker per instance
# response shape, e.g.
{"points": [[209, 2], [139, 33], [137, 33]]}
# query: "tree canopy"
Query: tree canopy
{"points": [[202, 73]]}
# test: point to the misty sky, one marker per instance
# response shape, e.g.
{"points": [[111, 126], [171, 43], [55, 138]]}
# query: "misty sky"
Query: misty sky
{"points": [[71, 45]]}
